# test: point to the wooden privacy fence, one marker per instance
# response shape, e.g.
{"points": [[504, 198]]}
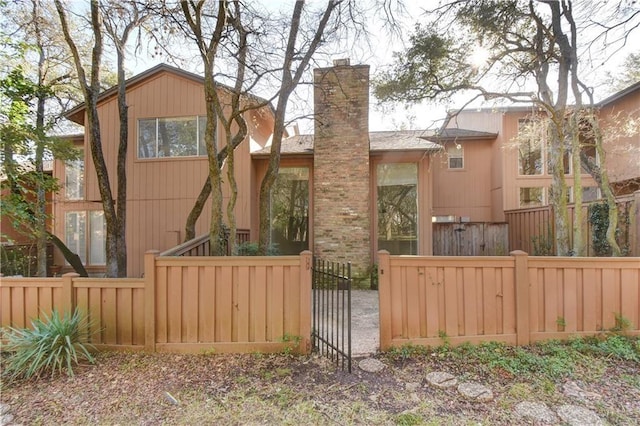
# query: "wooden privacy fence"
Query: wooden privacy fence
{"points": [[516, 299], [470, 239], [184, 304], [537, 223]]}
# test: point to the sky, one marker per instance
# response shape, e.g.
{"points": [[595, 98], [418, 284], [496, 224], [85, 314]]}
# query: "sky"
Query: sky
{"points": [[377, 54]]}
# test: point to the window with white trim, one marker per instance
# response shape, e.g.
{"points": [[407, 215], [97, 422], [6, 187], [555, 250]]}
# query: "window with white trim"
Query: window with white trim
{"points": [[172, 137], [455, 154], [85, 235]]}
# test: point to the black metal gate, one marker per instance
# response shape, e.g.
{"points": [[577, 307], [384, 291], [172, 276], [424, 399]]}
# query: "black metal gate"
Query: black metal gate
{"points": [[331, 332]]}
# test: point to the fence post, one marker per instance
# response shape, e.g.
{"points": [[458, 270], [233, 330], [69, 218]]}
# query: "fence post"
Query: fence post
{"points": [[67, 300], [635, 225], [306, 258], [150, 300], [384, 297], [521, 275]]}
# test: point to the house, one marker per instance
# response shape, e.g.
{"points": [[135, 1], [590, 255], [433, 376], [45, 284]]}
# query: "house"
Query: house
{"points": [[166, 168], [483, 158], [344, 192]]}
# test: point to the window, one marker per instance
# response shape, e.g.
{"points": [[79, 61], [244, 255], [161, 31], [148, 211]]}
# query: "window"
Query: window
{"points": [[89, 246], [74, 179], [531, 197], [529, 148], [290, 210], [171, 137], [590, 193], [533, 150], [455, 153], [398, 208]]}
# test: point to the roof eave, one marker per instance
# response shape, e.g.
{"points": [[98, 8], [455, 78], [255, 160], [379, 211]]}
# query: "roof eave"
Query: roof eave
{"points": [[76, 114]]}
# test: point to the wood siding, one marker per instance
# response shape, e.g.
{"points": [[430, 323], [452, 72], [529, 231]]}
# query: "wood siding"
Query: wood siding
{"points": [[623, 153], [161, 191], [184, 304], [467, 191], [517, 299]]}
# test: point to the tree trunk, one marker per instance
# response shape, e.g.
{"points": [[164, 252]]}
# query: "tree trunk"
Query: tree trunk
{"points": [[233, 196], [40, 215], [558, 191], [121, 204], [72, 258], [579, 246], [215, 229], [196, 210]]}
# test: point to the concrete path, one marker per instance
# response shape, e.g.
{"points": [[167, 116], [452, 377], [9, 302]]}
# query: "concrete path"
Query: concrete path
{"points": [[365, 323]]}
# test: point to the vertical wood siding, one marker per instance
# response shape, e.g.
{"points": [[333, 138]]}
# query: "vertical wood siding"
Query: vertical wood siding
{"points": [[162, 191]]}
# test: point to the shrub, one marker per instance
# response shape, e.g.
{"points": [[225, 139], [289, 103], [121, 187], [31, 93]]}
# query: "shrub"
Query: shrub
{"points": [[52, 345], [252, 248]]}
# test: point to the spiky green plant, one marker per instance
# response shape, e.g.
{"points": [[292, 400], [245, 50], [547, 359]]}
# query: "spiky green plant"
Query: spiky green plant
{"points": [[53, 344]]}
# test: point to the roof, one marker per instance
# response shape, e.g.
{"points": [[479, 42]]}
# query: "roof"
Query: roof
{"points": [[76, 114], [386, 141], [456, 134], [620, 94]]}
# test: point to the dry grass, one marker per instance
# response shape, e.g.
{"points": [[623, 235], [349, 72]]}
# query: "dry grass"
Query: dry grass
{"points": [[137, 388]]}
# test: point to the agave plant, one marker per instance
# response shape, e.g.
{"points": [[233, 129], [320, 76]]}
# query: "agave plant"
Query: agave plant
{"points": [[52, 344]]}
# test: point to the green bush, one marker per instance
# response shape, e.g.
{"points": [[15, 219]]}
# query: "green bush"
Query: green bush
{"points": [[251, 249], [52, 345]]}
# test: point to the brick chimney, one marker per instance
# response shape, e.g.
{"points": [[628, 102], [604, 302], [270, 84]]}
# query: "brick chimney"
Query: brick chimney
{"points": [[341, 201]]}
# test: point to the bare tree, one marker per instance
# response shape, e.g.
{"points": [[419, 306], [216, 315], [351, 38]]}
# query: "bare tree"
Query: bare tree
{"points": [[527, 41], [90, 85], [120, 19]]}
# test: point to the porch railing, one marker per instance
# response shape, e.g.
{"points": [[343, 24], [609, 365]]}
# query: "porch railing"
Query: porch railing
{"points": [[201, 246]]}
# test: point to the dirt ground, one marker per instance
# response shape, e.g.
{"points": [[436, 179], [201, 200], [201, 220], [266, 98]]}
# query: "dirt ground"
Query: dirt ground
{"points": [[149, 389]]}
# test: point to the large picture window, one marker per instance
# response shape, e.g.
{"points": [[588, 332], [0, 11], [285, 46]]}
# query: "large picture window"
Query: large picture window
{"points": [[85, 234], [398, 208], [290, 210], [171, 137], [74, 179]]}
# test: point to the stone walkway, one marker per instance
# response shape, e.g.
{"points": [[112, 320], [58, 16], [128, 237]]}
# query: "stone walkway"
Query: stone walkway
{"points": [[365, 323], [530, 411], [366, 341]]}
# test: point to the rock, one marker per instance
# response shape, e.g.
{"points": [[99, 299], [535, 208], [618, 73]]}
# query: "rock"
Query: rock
{"points": [[579, 416], [6, 419], [371, 365], [535, 411], [573, 390], [441, 379], [412, 386], [475, 392]]}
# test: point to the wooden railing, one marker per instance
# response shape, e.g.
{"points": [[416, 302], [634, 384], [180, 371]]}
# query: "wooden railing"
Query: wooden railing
{"points": [[516, 299], [201, 246]]}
